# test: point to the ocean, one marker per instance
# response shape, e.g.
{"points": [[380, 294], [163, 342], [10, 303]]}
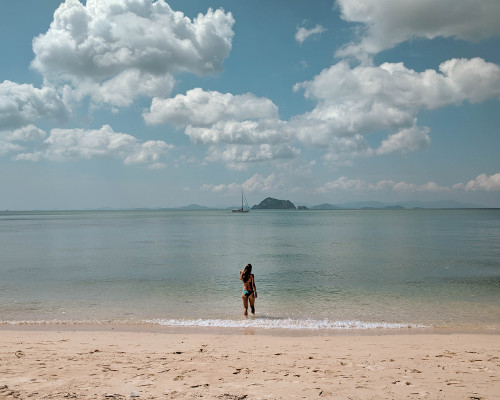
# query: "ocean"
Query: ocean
{"points": [[315, 271]]}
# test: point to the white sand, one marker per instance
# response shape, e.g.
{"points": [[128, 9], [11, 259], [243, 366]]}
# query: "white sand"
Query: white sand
{"points": [[110, 364]]}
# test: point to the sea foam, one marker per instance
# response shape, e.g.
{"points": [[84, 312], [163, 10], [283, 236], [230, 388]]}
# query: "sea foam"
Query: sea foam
{"points": [[253, 322], [275, 323]]}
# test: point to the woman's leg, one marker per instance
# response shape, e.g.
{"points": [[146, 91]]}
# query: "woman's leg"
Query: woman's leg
{"points": [[245, 304], [252, 303]]}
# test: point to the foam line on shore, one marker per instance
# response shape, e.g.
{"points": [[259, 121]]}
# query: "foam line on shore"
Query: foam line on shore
{"points": [[251, 322], [288, 323]]}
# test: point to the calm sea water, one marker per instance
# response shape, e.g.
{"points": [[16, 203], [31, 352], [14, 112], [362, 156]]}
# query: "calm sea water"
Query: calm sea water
{"points": [[313, 269]]}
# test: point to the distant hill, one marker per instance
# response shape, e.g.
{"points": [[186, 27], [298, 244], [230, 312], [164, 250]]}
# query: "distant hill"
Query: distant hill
{"points": [[194, 207], [326, 206], [274, 204], [376, 205], [439, 204]]}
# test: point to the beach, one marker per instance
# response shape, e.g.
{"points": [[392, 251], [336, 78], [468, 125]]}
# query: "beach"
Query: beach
{"points": [[112, 362], [351, 305]]}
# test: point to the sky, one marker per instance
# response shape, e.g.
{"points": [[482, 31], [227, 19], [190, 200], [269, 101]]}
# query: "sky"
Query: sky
{"points": [[140, 103]]}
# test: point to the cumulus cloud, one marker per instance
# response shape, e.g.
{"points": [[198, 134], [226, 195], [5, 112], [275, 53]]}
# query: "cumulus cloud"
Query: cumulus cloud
{"points": [[201, 108], [7, 147], [303, 34], [239, 156], [28, 133], [140, 41], [270, 131], [220, 188], [403, 89], [343, 184], [407, 140], [427, 187], [482, 182], [359, 185], [351, 102], [22, 104], [341, 150], [80, 144], [259, 183], [247, 126], [389, 22], [354, 101], [121, 90]]}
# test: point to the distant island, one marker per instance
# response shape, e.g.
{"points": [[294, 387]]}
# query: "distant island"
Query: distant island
{"points": [[274, 204]]}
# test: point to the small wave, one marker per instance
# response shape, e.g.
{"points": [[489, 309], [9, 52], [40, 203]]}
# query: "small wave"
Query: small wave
{"points": [[54, 322], [259, 322], [289, 324]]}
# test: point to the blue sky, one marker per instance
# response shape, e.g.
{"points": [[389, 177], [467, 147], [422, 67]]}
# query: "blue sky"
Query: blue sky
{"points": [[133, 103]]}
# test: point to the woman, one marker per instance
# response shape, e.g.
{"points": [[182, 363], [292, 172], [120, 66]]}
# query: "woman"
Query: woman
{"points": [[249, 289]]}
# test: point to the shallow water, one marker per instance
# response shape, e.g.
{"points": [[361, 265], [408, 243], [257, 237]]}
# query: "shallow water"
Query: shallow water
{"points": [[314, 269]]}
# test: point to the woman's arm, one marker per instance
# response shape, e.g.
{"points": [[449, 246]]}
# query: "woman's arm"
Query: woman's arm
{"points": [[254, 287]]}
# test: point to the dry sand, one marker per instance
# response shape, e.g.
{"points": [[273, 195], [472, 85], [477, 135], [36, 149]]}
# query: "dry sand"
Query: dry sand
{"points": [[111, 364]]}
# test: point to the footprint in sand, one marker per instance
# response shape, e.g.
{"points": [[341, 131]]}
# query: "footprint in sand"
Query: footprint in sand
{"points": [[448, 354], [5, 391], [245, 370]]}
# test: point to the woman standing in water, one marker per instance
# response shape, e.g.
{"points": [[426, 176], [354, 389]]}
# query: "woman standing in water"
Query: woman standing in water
{"points": [[249, 289]]}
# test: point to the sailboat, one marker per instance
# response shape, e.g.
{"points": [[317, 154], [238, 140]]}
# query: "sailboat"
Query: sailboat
{"points": [[244, 205]]}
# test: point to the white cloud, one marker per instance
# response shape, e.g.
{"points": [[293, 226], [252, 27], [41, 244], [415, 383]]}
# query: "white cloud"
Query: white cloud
{"points": [[343, 184], [270, 131], [484, 182], [359, 185], [259, 183], [121, 90], [474, 80], [22, 104], [407, 140], [352, 102], [138, 40], [341, 150], [238, 156], [7, 147], [427, 187], [201, 108], [149, 152], [402, 90], [28, 133], [389, 22], [79, 144], [303, 33], [247, 126], [221, 188]]}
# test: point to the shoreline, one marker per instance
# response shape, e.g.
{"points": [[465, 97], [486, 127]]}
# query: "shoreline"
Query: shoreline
{"points": [[151, 328], [60, 362]]}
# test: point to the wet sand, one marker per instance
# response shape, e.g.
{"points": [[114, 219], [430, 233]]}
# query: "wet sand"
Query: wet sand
{"points": [[110, 363]]}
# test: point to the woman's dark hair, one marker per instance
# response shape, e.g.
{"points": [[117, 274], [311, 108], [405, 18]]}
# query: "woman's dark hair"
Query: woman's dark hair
{"points": [[246, 272]]}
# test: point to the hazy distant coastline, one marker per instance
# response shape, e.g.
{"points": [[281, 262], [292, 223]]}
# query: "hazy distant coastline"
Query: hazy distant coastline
{"points": [[270, 203], [276, 204]]}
